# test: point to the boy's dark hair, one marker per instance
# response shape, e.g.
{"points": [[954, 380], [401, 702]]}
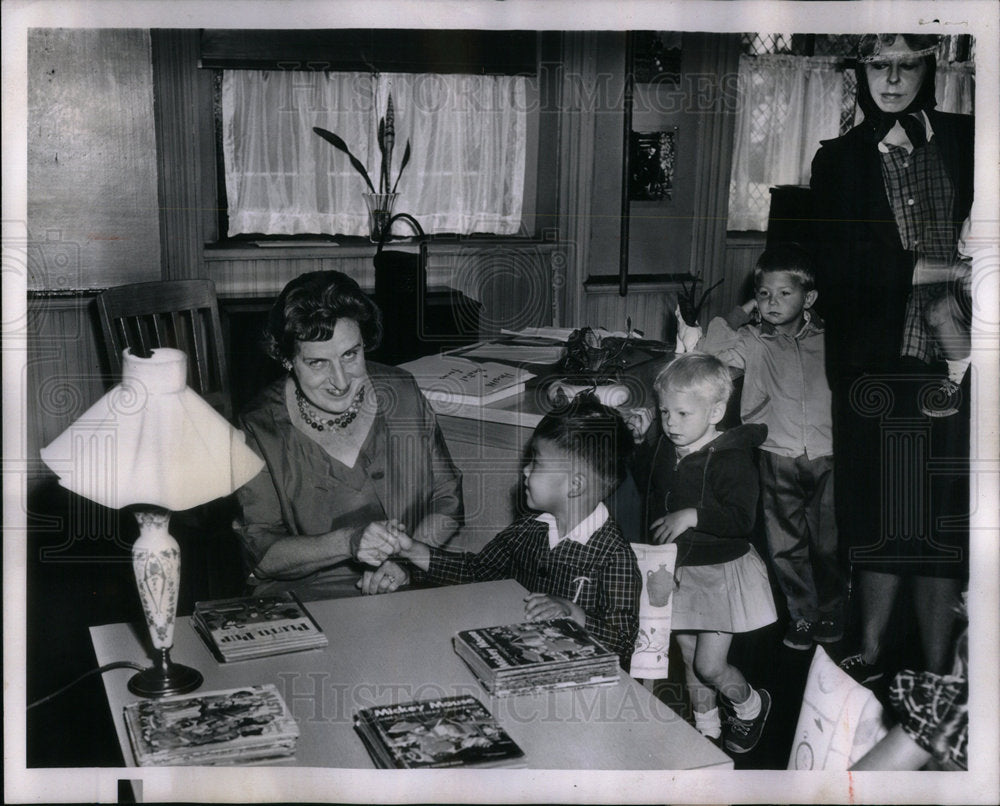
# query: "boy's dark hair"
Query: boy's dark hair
{"points": [[590, 431], [787, 257]]}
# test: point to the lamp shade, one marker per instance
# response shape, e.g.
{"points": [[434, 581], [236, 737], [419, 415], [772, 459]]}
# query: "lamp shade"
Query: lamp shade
{"points": [[152, 440]]}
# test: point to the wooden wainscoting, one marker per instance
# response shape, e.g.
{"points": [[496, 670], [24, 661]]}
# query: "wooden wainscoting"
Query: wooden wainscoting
{"points": [[648, 304], [742, 251]]}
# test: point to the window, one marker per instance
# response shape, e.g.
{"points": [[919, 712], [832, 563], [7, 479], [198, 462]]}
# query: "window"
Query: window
{"points": [[468, 142], [786, 82]]}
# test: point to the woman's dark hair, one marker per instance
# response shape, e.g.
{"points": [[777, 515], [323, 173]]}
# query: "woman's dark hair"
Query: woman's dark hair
{"points": [[868, 49], [308, 308], [589, 431]]}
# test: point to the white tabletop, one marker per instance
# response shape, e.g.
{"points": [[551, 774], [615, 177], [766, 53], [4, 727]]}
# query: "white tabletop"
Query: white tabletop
{"points": [[393, 648]]}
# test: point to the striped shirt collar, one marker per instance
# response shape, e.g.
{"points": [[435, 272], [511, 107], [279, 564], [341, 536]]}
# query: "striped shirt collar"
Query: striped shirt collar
{"points": [[896, 136], [582, 532]]}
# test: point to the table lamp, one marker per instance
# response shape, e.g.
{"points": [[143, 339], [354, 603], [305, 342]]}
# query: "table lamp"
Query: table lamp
{"points": [[153, 444]]}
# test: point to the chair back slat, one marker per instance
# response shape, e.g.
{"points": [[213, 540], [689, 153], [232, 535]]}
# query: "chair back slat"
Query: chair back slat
{"points": [[183, 314]]}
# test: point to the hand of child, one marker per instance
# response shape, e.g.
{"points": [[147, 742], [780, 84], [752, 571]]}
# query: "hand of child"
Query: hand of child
{"points": [[388, 577], [637, 420], [380, 540], [541, 606], [688, 336], [749, 306], [674, 524]]}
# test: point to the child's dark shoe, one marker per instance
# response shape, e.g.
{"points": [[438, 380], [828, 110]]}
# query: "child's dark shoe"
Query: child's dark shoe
{"points": [[799, 635], [827, 631], [863, 672], [742, 735]]}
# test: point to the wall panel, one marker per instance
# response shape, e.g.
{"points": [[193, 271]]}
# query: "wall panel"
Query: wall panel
{"points": [[92, 197]]}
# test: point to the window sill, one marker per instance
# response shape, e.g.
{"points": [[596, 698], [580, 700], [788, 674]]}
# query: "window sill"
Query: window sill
{"points": [[604, 284], [356, 247]]}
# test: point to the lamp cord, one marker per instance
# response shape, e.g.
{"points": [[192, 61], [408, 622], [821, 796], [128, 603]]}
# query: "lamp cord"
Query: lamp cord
{"points": [[118, 664]]}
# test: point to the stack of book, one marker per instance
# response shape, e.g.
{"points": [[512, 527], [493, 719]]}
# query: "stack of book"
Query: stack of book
{"points": [[446, 732], [256, 626], [235, 726], [536, 656]]}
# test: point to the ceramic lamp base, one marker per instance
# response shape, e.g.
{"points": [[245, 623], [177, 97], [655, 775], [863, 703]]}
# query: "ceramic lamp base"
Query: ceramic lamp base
{"points": [[165, 678]]}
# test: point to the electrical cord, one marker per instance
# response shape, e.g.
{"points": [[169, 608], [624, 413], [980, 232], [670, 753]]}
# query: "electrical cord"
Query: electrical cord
{"points": [[118, 664]]}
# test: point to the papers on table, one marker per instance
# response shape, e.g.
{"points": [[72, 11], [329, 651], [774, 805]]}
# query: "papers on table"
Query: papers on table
{"points": [[531, 345], [515, 351], [555, 333]]}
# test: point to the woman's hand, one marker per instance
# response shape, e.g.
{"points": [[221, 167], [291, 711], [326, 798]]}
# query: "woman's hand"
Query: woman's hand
{"points": [[380, 540], [541, 606], [674, 524], [388, 577]]}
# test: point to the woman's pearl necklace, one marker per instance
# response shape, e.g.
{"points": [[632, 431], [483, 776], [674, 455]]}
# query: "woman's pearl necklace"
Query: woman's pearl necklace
{"points": [[340, 421]]}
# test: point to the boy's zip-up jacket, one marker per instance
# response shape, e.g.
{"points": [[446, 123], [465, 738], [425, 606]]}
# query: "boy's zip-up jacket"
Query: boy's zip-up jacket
{"points": [[784, 381]]}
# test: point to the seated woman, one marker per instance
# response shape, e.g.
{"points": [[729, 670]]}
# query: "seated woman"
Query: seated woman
{"points": [[352, 451]]}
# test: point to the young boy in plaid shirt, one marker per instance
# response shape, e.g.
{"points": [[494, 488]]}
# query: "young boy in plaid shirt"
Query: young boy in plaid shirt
{"points": [[572, 556]]}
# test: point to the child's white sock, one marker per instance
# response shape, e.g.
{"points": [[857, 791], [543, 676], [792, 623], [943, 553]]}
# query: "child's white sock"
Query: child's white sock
{"points": [[749, 709], [957, 368], [708, 723]]}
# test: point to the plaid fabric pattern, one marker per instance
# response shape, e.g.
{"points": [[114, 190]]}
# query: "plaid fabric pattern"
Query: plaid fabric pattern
{"points": [[934, 712], [921, 196], [602, 576]]}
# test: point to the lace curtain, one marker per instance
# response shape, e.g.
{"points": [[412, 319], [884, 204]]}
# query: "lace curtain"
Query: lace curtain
{"points": [[787, 105], [467, 134]]}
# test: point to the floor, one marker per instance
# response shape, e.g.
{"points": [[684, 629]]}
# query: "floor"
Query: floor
{"points": [[76, 583]]}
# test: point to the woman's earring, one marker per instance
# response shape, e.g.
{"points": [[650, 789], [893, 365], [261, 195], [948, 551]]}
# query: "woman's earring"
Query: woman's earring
{"points": [[287, 365]]}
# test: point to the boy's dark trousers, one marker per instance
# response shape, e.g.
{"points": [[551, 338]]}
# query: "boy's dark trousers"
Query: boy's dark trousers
{"points": [[797, 497]]}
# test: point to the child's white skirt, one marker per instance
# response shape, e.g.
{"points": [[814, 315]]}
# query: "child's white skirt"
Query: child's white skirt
{"points": [[728, 597]]}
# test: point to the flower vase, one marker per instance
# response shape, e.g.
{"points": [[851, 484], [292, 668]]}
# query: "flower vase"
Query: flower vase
{"points": [[379, 212]]}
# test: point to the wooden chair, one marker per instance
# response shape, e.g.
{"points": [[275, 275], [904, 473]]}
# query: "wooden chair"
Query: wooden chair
{"points": [[183, 314]]}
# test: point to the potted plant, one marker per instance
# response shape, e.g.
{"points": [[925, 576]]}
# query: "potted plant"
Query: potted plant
{"points": [[380, 202]]}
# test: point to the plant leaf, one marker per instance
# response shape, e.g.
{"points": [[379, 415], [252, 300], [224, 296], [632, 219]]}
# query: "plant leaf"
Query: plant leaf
{"points": [[390, 140], [338, 143], [704, 296], [383, 180], [406, 159]]}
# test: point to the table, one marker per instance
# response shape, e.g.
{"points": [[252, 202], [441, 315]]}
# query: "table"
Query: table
{"points": [[397, 647]]}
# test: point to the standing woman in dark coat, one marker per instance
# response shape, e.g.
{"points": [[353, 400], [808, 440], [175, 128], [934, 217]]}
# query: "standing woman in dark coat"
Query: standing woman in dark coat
{"points": [[890, 195]]}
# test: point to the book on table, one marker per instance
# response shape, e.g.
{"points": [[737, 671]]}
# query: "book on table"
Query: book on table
{"points": [[450, 379], [444, 732], [536, 656], [234, 726], [247, 627]]}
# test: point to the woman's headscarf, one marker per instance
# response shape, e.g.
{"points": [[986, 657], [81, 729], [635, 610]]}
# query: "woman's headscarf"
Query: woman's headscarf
{"points": [[869, 48]]}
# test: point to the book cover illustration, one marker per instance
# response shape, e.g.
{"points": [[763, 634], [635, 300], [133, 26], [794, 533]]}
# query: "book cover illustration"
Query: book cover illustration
{"points": [[555, 641], [446, 732], [449, 379], [218, 727], [247, 627]]}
